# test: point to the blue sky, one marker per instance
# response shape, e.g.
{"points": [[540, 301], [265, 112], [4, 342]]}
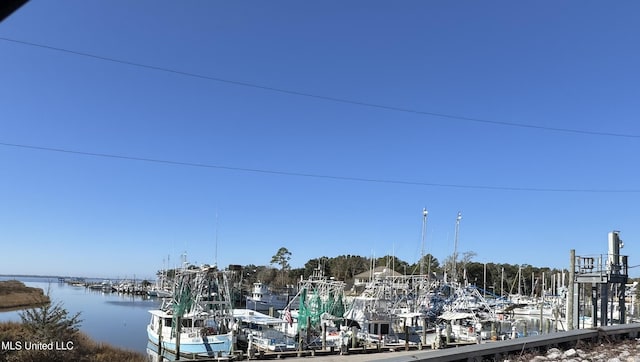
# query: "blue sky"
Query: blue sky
{"points": [[209, 91]]}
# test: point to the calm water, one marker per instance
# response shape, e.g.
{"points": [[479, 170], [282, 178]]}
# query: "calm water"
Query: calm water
{"points": [[117, 319], [120, 319]]}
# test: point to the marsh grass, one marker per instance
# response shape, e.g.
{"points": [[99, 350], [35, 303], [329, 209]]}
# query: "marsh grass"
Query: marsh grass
{"points": [[14, 294], [84, 348], [52, 324]]}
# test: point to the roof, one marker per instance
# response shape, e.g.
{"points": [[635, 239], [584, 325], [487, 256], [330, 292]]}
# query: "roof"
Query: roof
{"points": [[251, 316], [455, 315], [378, 271]]}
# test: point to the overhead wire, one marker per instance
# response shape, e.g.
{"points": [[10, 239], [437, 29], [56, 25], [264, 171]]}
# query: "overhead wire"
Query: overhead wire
{"points": [[324, 97], [314, 175]]}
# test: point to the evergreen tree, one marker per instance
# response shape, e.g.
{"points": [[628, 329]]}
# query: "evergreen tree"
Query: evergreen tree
{"points": [[282, 258]]}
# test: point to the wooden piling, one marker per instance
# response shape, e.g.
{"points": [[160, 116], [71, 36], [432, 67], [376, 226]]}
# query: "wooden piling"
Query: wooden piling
{"points": [[160, 335], [406, 337], [178, 329], [324, 336], [424, 331], [354, 337]]}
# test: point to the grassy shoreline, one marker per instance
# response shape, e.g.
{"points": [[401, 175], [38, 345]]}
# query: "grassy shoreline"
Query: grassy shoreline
{"points": [[56, 330], [80, 348], [15, 295]]}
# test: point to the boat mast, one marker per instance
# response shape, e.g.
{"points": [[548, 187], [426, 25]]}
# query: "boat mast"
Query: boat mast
{"points": [[502, 283], [424, 230], [519, 281], [455, 248], [215, 259]]}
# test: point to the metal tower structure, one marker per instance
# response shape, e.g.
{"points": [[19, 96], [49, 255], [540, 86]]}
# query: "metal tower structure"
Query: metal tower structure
{"points": [[601, 279]]}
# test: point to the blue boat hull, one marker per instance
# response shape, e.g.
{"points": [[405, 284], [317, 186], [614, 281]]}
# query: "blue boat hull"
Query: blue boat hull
{"points": [[212, 345]]}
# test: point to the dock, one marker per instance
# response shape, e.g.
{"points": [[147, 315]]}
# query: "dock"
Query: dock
{"points": [[361, 353], [494, 351], [498, 351]]}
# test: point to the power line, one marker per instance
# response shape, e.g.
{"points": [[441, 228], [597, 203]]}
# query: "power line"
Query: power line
{"points": [[313, 175], [326, 98]]}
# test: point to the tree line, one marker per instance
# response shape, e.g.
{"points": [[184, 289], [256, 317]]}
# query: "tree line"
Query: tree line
{"points": [[497, 278]]}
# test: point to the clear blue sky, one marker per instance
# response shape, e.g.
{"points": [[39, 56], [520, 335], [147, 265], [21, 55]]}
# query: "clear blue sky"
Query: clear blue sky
{"points": [[546, 64]]}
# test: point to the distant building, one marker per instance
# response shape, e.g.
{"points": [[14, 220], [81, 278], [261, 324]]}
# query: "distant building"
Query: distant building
{"points": [[379, 272]]}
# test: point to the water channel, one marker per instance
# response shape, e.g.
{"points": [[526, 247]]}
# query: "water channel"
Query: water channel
{"points": [[113, 318]]}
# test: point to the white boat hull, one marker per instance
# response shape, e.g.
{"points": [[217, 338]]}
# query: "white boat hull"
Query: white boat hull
{"points": [[194, 344]]}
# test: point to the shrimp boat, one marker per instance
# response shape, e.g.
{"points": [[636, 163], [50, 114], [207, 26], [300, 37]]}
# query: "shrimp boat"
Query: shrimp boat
{"points": [[263, 299], [468, 315], [320, 302], [198, 320], [262, 331]]}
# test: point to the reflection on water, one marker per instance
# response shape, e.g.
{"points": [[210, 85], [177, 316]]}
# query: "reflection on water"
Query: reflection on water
{"points": [[132, 303], [153, 356], [116, 319], [121, 319]]}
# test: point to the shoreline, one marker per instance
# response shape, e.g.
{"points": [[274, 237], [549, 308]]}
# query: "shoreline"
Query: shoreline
{"points": [[15, 295], [20, 344], [21, 307]]}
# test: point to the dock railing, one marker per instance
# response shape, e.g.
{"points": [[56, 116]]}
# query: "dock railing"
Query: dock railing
{"points": [[602, 264]]}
